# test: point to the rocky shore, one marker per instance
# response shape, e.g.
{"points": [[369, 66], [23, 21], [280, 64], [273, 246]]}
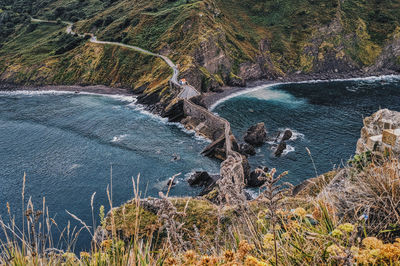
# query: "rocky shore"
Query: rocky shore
{"points": [[99, 89], [211, 98]]}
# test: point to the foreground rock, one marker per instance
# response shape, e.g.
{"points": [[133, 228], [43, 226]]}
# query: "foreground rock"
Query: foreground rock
{"points": [[256, 135], [381, 132]]}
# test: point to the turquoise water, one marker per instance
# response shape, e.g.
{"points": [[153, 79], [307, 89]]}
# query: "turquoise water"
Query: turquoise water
{"points": [[325, 116], [66, 143]]}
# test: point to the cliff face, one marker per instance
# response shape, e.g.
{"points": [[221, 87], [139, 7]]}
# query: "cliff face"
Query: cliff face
{"points": [[215, 42]]}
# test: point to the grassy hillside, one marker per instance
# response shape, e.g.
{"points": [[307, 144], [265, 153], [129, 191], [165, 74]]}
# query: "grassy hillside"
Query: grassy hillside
{"points": [[215, 42]]}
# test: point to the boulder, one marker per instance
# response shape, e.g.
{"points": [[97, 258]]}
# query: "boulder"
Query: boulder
{"points": [[200, 179], [256, 135], [279, 150], [247, 149], [203, 179], [287, 135]]}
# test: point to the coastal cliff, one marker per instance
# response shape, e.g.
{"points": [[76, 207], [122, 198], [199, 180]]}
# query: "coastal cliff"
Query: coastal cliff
{"points": [[216, 43]]}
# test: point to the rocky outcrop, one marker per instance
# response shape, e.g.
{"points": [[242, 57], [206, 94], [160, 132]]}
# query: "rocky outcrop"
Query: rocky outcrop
{"points": [[282, 144], [280, 149], [374, 126], [205, 180], [247, 149], [256, 135], [389, 58], [287, 135]]}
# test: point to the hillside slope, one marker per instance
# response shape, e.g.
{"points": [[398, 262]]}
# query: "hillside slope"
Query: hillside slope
{"points": [[215, 42]]}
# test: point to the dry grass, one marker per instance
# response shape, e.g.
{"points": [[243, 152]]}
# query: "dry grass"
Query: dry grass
{"points": [[322, 230], [373, 192]]}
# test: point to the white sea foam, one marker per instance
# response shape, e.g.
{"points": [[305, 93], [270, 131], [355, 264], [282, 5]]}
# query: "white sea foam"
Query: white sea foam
{"points": [[34, 93], [295, 134], [288, 149], [74, 166], [371, 79], [119, 138]]}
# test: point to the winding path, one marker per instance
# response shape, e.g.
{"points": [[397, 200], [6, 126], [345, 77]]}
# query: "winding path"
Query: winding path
{"points": [[187, 91], [232, 168]]}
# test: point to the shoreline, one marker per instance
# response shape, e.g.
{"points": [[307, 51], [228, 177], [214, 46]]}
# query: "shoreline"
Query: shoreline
{"points": [[212, 99], [95, 89]]}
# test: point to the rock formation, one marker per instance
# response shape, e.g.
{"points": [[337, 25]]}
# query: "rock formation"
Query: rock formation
{"points": [[247, 149], [256, 135], [381, 132]]}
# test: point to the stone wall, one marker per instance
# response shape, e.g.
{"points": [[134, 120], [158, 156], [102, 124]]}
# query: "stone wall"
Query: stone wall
{"points": [[203, 121]]}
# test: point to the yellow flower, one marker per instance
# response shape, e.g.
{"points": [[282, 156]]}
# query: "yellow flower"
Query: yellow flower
{"points": [[285, 235], [229, 256], [372, 243], [375, 252], [170, 261], [244, 249], [335, 250], [268, 240], [337, 233], [106, 244], [281, 212], [208, 260], [300, 212], [253, 261], [190, 256], [347, 227], [84, 255]]}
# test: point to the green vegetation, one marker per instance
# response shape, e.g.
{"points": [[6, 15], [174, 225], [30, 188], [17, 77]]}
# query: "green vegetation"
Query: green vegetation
{"points": [[213, 41], [356, 224]]}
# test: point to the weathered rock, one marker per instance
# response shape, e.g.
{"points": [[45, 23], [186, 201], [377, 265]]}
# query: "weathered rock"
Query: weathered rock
{"points": [[200, 179], [374, 126], [247, 149], [174, 111], [252, 179], [281, 147], [287, 135], [256, 135], [203, 179], [199, 101]]}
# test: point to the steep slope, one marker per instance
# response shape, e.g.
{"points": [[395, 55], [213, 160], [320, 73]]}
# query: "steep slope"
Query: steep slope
{"points": [[215, 42]]}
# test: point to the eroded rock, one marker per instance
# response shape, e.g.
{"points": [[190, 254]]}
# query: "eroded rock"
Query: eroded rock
{"points": [[374, 125], [247, 149], [256, 135]]}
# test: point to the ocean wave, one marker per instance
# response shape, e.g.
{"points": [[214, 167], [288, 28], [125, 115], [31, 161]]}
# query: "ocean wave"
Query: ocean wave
{"points": [[295, 134], [34, 93], [190, 132], [236, 94], [371, 79], [289, 148], [119, 138]]}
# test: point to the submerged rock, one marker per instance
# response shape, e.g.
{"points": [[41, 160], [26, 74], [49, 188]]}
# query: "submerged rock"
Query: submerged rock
{"points": [[256, 135], [280, 149]]}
